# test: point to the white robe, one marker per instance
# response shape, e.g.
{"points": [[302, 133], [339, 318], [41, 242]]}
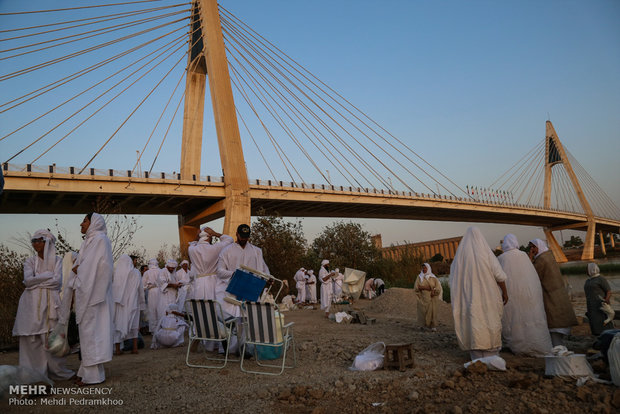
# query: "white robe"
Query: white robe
{"points": [[524, 323], [231, 258], [169, 333], [338, 281], [300, 284], [183, 277], [327, 289], [128, 299], [476, 298], [311, 289], [167, 295], [93, 300], [37, 314], [149, 283], [204, 256]]}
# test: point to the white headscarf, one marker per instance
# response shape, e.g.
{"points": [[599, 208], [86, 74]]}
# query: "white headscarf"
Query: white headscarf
{"points": [[203, 236], [428, 274], [593, 270], [324, 262], [184, 262], [97, 225], [510, 242], [49, 251], [172, 263], [310, 272], [542, 246]]}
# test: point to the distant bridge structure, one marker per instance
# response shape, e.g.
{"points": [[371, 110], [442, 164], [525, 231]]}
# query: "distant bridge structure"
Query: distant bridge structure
{"points": [[294, 111]]}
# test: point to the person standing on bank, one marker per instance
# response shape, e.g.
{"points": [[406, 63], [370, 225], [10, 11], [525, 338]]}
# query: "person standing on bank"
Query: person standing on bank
{"points": [[37, 312], [94, 269], [559, 310], [427, 288], [597, 291]]}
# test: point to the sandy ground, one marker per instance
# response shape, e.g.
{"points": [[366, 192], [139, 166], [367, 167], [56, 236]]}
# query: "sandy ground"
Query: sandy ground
{"points": [[159, 381]]}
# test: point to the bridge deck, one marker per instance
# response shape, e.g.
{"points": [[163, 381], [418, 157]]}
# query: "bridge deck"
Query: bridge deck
{"points": [[54, 193]]}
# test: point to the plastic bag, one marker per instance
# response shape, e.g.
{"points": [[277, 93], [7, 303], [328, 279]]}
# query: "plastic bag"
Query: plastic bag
{"points": [[494, 363], [57, 342], [343, 317], [370, 358]]}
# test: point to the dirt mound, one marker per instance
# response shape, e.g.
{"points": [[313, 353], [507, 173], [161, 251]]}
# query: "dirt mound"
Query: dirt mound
{"points": [[401, 303]]}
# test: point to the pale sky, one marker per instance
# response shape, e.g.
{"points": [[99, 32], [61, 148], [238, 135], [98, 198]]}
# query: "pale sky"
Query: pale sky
{"points": [[469, 85]]}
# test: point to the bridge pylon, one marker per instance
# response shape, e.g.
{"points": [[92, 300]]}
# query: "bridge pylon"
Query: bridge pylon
{"points": [[207, 58], [555, 154]]}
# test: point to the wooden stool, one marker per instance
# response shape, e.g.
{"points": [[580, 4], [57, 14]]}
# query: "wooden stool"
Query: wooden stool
{"points": [[398, 356]]}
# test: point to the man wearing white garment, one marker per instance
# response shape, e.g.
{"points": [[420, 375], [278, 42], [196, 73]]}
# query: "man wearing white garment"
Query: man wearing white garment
{"points": [[204, 254], [128, 302], [327, 288], [310, 286], [149, 282], [232, 257], [338, 280], [184, 280], [168, 287], [37, 312], [94, 268]]}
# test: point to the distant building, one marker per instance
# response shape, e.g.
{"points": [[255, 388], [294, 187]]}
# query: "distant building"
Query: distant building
{"points": [[445, 247]]}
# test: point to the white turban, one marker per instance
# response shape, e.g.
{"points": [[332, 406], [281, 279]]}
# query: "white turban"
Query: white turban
{"points": [[593, 270], [184, 262], [49, 251], [173, 307], [542, 246], [172, 263], [510, 242], [153, 264], [310, 272], [203, 235], [324, 262]]}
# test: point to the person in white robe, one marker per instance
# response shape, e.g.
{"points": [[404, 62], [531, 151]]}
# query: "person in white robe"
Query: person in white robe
{"points": [[311, 287], [150, 280], [128, 302], [369, 288], [300, 284], [170, 329], [184, 280], [94, 269], [38, 308], [327, 287], [478, 295], [338, 281], [168, 287], [204, 255], [242, 252], [524, 323]]}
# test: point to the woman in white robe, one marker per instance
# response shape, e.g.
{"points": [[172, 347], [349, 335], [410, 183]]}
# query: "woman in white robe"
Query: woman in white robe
{"points": [[338, 281], [168, 287], [94, 270], [477, 307], [184, 279], [524, 324], [38, 309], [300, 284], [128, 302], [149, 282]]}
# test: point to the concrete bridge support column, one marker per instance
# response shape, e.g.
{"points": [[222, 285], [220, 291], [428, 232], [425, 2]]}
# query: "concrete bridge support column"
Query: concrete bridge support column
{"points": [[588, 246], [555, 247], [602, 240]]}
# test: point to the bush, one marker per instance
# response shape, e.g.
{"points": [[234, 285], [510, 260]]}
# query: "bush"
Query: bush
{"points": [[11, 286], [445, 285]]}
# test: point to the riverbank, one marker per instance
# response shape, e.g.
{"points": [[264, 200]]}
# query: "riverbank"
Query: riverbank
{"points": [[322, 382]]}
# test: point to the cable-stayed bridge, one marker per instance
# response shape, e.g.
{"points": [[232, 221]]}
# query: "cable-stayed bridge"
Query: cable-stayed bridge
{"points": [[141, 62]]}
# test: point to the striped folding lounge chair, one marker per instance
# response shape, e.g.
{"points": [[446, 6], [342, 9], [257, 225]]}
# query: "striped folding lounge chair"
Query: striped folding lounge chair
{"points": [[263, 329], [206, 323]]}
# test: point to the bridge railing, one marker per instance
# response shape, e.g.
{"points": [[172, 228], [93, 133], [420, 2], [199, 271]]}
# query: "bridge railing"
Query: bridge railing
{"points": [[53, 169]]}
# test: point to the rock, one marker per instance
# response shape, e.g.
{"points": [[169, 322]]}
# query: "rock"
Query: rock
{"points": [[615, 400], [476, 368], [284, 395], [457, 373], [583, 393], [448, 384], [413, 396], [299, 390], [457, 410], [338, 384], [316, 393]]}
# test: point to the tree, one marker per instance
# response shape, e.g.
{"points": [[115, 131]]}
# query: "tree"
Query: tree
{"points": [[283, 243], [346, 244], [12, 286]]}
